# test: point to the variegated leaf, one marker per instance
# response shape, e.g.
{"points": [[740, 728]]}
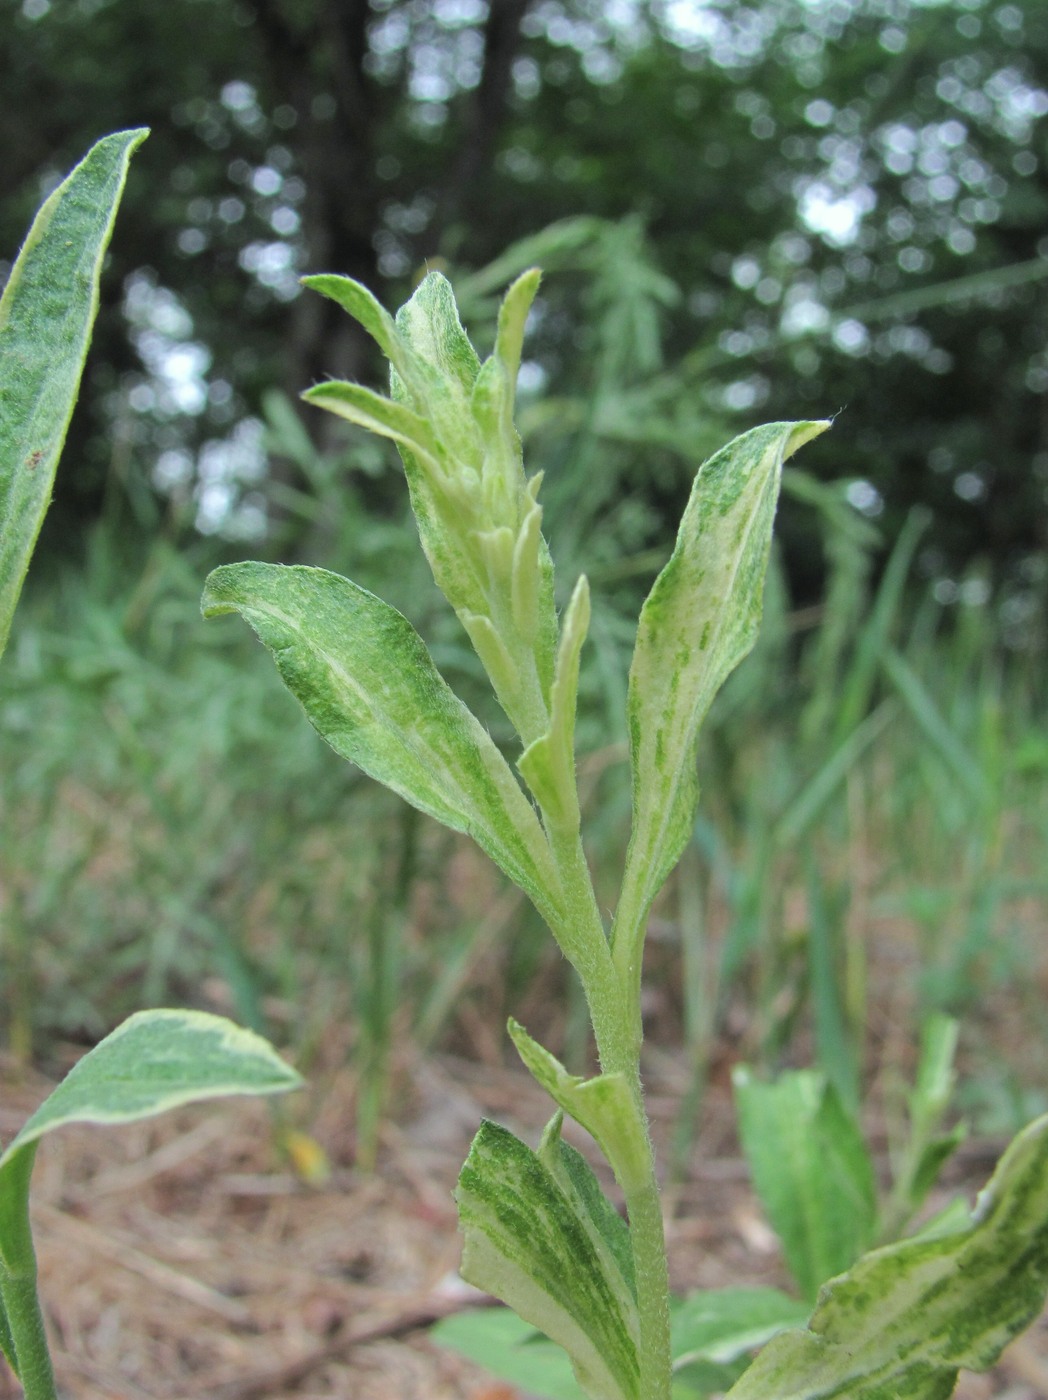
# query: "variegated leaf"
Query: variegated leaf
{"points": [[370, 688], [541, 1236], [700, 619], [46, 315], [904, 1320]]}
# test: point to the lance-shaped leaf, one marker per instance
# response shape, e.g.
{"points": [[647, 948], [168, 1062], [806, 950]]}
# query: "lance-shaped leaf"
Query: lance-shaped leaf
{"points": [[378, 415], [370, 688], [46, 314], [904, 1320], [700, 619], [602, 1105], [154, 1061], [541, 1236], [811, 1170], [366, 309]]}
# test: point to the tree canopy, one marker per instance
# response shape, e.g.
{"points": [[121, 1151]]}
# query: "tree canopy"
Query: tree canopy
{"points": [[791, 207]]}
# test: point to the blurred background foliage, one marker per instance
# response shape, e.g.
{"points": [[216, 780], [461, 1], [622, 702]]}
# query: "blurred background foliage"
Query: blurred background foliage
{"points": [[746, 211]]}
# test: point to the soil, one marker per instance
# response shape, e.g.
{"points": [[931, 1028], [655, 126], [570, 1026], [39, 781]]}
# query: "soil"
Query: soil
{"points": [[182, 1259]]}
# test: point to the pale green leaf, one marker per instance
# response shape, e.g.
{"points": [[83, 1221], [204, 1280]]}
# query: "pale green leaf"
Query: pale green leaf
{"points": [[154, 1061], [904, 1320], [513, 316], [478, 519], [378, 415], [542, 1241], [700, 619], [720, 1325], [46, 315], [365, 308], [811, 1170], [370, 688], [511, 1349], [429, 325], [602, 1105]]}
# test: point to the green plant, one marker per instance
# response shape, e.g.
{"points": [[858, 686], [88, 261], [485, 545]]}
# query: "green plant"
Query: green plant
{"points": [[539, 1232], [157, 1059]]}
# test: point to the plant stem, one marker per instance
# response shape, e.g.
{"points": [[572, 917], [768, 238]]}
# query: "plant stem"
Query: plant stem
{"points": [[26, 1322], [644, 1207], [25, 1333], [616, 1028]]}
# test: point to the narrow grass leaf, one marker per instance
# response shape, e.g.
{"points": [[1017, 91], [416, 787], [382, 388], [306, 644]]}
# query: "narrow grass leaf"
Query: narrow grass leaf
{"points": [[957, 756], [836, 1040], [533, 1240], [905, 1319], [370, 689], [700, 619], [855, 692], [811, 1170], [46, 314], [811, 801]]}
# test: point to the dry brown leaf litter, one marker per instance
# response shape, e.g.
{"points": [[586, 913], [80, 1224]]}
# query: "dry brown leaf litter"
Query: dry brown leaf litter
{"points": [[180, 1260]]}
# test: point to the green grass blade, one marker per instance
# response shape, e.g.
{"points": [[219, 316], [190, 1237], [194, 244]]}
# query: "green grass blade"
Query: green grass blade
{"points": [[46, 315], [857, 689], [957, 756], [838, 1053]]}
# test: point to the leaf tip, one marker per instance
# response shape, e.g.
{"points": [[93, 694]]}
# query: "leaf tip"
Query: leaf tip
{"points": [[805, 432]]}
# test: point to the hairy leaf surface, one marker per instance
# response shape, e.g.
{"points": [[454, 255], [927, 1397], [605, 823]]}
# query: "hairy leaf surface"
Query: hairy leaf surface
{"points": [[46, 315], [698, 622], [370, 688], [601, 1104]]}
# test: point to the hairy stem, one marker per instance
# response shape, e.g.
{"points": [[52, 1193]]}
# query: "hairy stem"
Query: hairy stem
{"points": [[25, 1333], [644, 1207], [26, 1322], [616, 1028]]}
